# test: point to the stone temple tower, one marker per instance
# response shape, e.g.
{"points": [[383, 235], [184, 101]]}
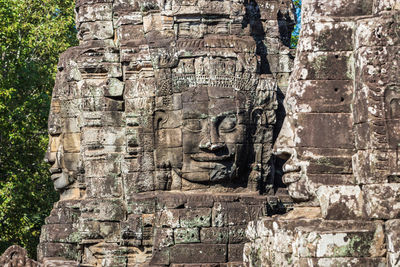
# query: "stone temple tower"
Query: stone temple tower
{"points": [[161, 130], [171, 145]]}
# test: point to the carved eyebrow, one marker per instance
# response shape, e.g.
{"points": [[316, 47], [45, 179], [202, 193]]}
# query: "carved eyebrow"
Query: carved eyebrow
{"points": [[225, 113], [232, 112], [194, 115]]}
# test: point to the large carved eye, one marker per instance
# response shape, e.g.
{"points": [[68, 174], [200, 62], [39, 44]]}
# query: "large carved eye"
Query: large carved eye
{"points": [[228, 123], [192, 125]]}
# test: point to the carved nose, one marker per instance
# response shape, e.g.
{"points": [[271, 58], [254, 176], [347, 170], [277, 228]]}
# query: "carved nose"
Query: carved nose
{"points": [[50, 157], [211, 140], [283, 147], [54, 160]]}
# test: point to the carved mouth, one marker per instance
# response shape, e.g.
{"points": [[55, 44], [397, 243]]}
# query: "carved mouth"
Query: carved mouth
{"points": [[291, 173], [287, 168], [203, 157], [291, 177], [55, 173], [55, 176]]}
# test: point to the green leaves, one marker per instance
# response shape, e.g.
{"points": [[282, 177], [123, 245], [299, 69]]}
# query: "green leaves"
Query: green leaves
{"points": [[295, 34], [33, 33]]}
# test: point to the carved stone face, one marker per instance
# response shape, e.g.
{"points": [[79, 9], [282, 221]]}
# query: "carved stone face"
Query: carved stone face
{"points": [[55, 151], [64, 148], [62, 153], [213, 135], [295, 171]]}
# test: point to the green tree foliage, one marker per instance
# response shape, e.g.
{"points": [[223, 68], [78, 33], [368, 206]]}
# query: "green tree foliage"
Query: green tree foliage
{"points": [[32, 35], [295, 34]]}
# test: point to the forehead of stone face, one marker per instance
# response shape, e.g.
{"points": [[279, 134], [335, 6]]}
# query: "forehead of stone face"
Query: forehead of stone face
{"points": [[220, 106], [204, 101], [195, 94]]}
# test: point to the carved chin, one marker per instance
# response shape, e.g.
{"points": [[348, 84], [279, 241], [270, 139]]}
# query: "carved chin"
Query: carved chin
{"points": [[221, 172], [213, 172], [61, 180], [298, 192]]}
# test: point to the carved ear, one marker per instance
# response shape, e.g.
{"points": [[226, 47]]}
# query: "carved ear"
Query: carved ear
{"points": [[256, 119], [160, 117]]}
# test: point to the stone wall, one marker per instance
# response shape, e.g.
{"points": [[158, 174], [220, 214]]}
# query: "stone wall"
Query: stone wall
{"points": [[163, 122], [161, 131], [340, 142]]}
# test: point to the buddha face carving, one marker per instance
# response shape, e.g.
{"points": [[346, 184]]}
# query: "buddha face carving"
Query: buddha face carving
{"points": [[64, 148], [213, 135], [63, 151], [210, 143], [294, 170], [55, 152], [204, 136]]}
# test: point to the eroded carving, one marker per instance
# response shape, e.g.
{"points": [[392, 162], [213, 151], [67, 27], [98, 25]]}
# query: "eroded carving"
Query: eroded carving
{"points": [[161, 128], [340, 143]]}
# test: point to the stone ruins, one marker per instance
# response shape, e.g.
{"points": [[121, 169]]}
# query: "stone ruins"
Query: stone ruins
{"points": [[187, 133]]}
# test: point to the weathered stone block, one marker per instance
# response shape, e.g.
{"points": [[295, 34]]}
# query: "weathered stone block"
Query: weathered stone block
{"points": [[235, 252], [168, 218], [57, 233], [160, 257], [170, 200], [94, 12], [342, 261], [115, 88], [60, 250], [72, 142], [103, 167], [195, 253], [132, 228], [331, 179], [341, 8], [323, 66], [164, 237], [62, 215], [330, 165], [382, 201], [379, 67], [103, 209], [186, 235], [199, 201], [341, 202], [107, 231], [334, 130], [234, 213], [104, 187], [237, 234], [200, 217], [369, 32], [141, 203], [79, 3], [137, 182], [214, 235], [393, 241], [290, 241], [327, 36], [331, 96]]}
